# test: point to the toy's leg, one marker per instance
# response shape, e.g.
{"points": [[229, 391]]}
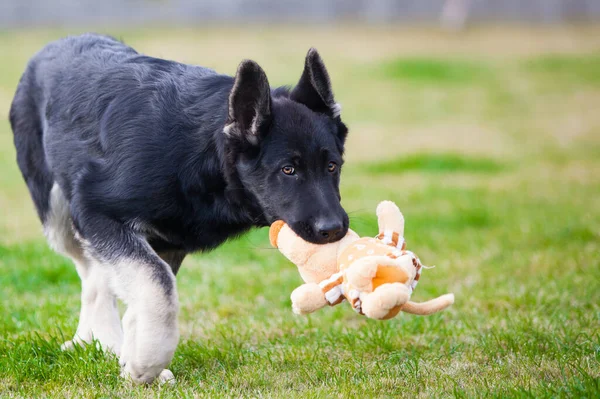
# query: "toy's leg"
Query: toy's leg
{"points": [[307, 298], [360, 275], [379, 303]]}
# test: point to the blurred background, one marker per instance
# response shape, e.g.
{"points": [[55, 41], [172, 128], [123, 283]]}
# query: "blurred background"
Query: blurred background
{"points": [[190, 12], [427, 78], [480, 118]]}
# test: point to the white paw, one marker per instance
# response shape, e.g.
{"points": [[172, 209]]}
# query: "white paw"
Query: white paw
{"points": [[76, 341], [141, 375], [147, 376], [70, 345], [166, 377]]}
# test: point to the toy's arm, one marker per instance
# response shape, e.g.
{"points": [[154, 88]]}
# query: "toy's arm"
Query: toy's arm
{"points": [[332, 289], [312, 296]]}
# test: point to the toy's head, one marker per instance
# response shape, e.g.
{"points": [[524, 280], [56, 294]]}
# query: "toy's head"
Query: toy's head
{"points": [[315, 262]]}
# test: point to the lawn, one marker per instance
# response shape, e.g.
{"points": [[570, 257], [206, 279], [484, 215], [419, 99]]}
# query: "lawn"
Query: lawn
{"points": [[488, 140]]}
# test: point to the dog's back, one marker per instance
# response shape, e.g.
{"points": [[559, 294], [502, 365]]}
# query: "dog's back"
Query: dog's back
{"points": [[51, 71], [68, 87]]}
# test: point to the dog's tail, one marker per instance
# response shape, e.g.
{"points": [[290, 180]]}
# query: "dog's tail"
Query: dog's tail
{"points": [[26, 123]]}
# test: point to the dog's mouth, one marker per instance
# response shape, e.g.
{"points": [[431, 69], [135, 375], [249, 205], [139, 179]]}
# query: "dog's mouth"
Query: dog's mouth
{"points": [[312, 233]]}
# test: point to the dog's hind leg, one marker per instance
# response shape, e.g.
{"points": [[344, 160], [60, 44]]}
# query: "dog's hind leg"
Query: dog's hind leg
{"points": [[99, 316]]}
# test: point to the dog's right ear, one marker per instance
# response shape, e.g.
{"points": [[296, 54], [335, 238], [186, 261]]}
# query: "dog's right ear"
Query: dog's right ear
{"points": [[249, 103]]}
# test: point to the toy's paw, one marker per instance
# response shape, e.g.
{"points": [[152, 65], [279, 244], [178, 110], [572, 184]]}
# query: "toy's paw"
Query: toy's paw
{"points": [[307, 298], [385, 301]]}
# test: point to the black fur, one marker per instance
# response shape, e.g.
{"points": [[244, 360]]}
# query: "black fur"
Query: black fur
{"points": [[137, 145]]}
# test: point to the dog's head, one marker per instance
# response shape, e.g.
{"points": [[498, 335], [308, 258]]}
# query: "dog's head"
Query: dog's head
{"points": [[286, 146]]}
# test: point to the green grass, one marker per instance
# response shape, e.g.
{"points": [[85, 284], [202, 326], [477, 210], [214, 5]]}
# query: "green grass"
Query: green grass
{"points": [[495, 162], [434, 163], [578, 69], [435, 71]]}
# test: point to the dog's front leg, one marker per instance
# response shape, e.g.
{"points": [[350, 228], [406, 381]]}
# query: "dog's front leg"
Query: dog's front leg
{"points": [[150, 321], [146, 284]]}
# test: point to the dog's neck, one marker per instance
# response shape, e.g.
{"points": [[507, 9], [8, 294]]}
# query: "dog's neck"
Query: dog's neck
{"points": [[207, 158], [238, 197]]}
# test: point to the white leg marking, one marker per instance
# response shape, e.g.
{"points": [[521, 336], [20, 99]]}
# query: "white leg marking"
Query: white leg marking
{"points": [[150, 322], [58, 226], [99, 308], [99, 316]]}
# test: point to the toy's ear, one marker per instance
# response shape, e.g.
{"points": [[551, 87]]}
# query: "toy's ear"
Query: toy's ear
{"points": [[391, 222], [274, 232]]}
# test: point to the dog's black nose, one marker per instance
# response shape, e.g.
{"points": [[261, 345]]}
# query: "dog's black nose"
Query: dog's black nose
{"points": [[329, 230]]}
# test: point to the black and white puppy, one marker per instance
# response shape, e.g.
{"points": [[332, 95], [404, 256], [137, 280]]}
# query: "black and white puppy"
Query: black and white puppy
{"points": [[133, 162]]}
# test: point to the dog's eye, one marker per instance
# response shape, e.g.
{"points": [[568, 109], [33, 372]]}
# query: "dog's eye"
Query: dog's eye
{"points": [[332, 166], [288, 170]]}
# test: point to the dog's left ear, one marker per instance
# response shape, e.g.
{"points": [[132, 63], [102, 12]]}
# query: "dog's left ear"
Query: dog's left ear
{"points": [[249, 103], [314, 88]]}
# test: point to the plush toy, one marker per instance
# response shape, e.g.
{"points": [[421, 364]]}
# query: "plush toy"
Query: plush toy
{"points": [[376, 275]]}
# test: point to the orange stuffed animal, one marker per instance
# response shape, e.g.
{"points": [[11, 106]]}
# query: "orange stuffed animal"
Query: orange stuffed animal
{"points": [[376, 275]]}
